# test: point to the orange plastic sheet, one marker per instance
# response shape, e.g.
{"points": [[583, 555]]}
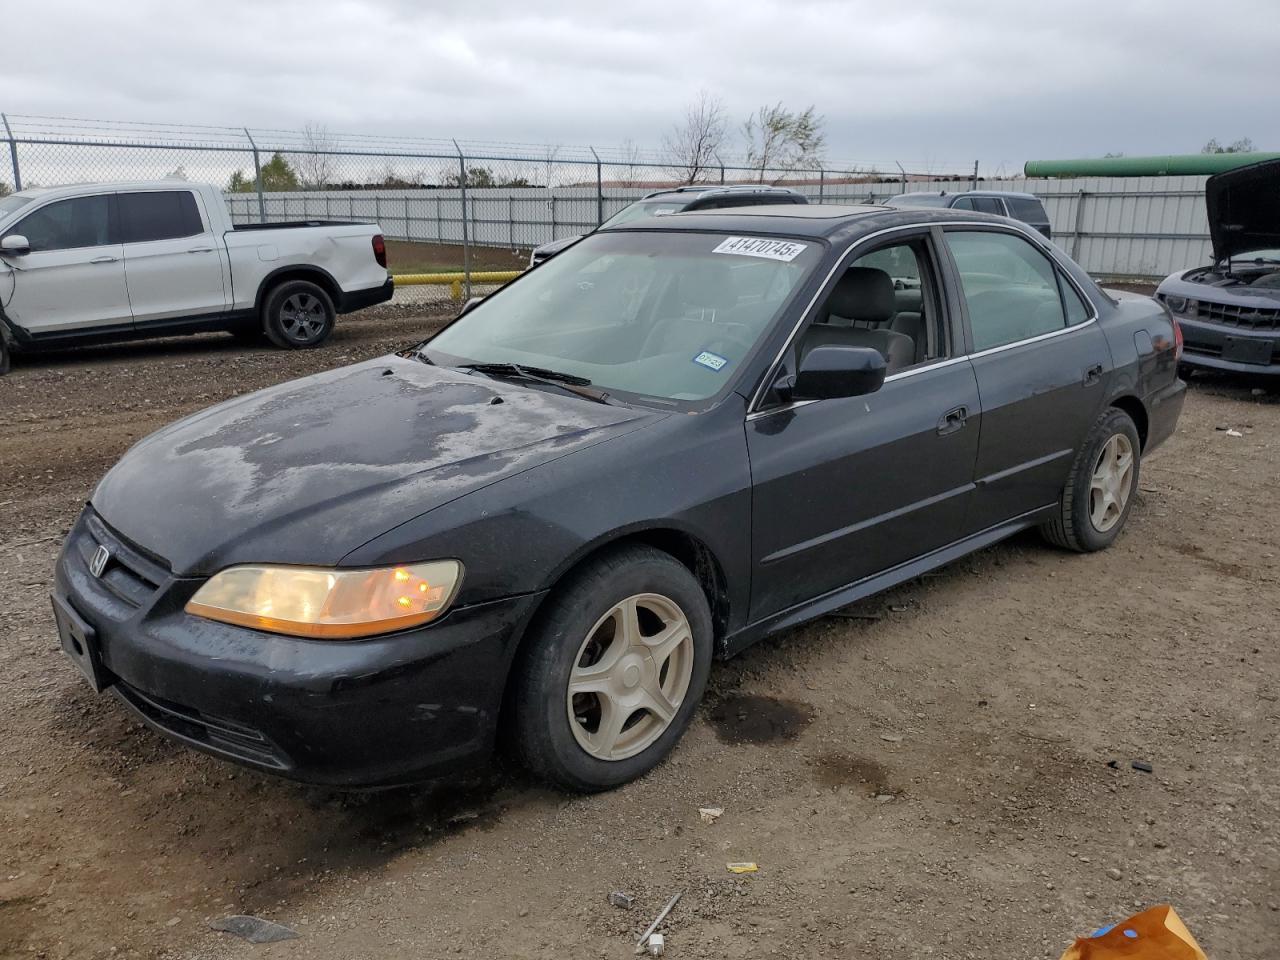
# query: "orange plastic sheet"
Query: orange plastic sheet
{"points": [[1155, 934]]}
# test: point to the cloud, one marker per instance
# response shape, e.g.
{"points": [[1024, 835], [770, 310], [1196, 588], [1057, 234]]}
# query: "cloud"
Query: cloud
{"points": [[1001, 82]]}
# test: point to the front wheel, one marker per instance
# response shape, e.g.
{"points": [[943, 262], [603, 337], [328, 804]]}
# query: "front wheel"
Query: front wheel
{"points": [[298, 314], [1098, 493], [612, 671]]}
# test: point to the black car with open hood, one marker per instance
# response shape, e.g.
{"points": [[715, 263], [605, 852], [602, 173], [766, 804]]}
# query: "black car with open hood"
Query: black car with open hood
{"points": [[1229, 310]]}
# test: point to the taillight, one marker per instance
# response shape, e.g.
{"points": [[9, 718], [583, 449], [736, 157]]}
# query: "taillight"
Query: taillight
{"points": [[380, 250], [1177, 340]]}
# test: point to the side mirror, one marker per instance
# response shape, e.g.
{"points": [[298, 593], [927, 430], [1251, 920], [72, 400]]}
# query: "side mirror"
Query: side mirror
{"points": [[831, 371], [469, 305], [15, 245]]}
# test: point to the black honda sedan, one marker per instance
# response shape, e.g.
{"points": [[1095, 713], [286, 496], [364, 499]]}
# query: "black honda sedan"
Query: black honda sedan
{"points": [[673, 439]]}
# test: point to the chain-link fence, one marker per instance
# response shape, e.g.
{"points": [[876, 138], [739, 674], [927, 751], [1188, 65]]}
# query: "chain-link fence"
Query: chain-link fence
{"points": [[456, 206], [466, 207]]}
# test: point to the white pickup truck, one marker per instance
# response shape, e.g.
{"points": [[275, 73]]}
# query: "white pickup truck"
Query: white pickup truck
{"points": [[111, 261]]}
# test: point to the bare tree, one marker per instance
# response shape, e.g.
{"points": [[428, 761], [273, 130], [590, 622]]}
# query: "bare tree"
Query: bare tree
{"points": [[630, 160], [783, 140], [693, 144], [549, 157], [316, 165]]}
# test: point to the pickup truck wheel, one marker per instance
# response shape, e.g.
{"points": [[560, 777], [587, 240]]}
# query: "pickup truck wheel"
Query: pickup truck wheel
{"points": [[1099, 491], [298, 314], [612, 671]]}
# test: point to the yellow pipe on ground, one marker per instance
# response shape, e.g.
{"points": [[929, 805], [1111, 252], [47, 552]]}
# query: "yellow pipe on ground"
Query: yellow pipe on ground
{"points": [[449, 279]]}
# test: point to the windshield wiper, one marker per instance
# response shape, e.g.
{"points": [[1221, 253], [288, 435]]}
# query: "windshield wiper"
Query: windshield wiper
{"points": [[565, 381], [520, 370]]}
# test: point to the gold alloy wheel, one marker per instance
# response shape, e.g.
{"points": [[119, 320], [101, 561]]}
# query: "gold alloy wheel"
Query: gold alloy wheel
{"points": [[630, 677], [1111, 484]]}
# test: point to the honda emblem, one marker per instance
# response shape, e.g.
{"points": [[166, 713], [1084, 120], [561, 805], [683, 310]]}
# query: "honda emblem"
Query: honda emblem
{"points": [[98, 563]]}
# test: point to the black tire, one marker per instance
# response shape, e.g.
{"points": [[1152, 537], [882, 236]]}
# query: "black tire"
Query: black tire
{"points": [[4, 355], [1073, 527], [540, 729], [297, 315]]}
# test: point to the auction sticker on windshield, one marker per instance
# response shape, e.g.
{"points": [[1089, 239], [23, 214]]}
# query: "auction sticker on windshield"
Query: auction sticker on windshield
{"points": [[784, 250]]}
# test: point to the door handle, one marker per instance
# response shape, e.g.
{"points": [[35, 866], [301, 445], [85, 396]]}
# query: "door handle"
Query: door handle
{"points": [[201, 250], [1093, 375], [104, 259], [953, 420]]}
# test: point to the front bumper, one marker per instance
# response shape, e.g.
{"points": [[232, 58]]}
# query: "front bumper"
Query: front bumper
{"points": [[1214, 346], [387, 710], [359, 299]]}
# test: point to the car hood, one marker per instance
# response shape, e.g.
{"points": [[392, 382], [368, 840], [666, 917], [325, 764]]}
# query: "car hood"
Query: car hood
{"points": [[555, 246], [1244, 209], [307, 471]]}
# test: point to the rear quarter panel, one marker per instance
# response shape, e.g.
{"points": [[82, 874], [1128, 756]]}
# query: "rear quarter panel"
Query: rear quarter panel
{"points": [[343, 252]]}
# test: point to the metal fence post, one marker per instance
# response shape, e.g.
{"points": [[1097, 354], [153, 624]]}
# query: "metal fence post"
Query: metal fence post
{"points": [[257, 178], [1075, 236], [407, 235], [511, 220], [822, 184], [975, 175], [466, 233], [13, 154], [599, 189]]}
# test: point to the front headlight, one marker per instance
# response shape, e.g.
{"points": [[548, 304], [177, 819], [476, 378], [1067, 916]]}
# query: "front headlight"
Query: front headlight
{"points": [[1176, 304], [324, 603]]}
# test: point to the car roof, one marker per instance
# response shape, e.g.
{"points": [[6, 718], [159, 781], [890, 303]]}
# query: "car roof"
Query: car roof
{"points": [[967, 193], [697, 191], [811, 220], [108, 185]]}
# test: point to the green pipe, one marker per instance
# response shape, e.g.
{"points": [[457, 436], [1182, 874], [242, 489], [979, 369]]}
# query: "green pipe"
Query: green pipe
{"points": [[1190, 164]]}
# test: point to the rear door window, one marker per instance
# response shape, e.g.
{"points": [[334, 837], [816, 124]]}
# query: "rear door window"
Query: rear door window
{"points": [[68, 224], [1027, 209], [159, 215], [1010, 288], [980, 204]]}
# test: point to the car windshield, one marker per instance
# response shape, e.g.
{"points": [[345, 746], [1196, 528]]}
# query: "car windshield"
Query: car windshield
{"points": [[13, 202], [644, 208], [669, 315], [1269, 255]]}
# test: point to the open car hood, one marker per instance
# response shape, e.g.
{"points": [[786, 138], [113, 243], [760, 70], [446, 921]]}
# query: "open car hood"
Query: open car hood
{"points": [[1244, 209]]}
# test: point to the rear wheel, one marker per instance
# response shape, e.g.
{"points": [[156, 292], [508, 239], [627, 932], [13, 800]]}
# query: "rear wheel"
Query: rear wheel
{"points": [[298, 314], [612, 671], [1098, 494]]}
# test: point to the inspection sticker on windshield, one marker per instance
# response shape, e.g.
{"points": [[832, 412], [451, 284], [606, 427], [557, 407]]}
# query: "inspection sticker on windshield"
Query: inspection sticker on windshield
{"points": [[712, 361], [784, 250]]}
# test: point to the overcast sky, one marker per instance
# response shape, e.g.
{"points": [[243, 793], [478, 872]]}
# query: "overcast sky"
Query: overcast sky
{"points": [[1002, 81]]}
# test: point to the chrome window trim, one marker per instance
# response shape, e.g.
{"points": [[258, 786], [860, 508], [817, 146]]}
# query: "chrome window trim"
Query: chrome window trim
{"points": [[1016, 228]]}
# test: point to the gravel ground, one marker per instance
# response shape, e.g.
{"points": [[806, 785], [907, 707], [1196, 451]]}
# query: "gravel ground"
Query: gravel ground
{"points": [[927, 777]]}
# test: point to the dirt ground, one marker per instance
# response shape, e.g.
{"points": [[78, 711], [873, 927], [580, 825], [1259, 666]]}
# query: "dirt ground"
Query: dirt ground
{"points": [[928, 777]]}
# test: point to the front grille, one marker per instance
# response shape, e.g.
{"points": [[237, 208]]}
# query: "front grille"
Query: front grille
{"points": [[1250, 318], [222, 736], [131, 574]]}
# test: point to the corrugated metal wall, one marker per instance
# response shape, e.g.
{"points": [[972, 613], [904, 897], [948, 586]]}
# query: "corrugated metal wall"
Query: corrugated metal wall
{"points": [[1115, 227]]}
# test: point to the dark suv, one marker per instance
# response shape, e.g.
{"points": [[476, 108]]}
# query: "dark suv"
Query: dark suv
{"points": [[1004, 203], [678, 200]]}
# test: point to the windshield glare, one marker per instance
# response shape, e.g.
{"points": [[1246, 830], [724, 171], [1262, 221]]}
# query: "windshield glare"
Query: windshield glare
{"points": [[650, 313], [640, 209]]}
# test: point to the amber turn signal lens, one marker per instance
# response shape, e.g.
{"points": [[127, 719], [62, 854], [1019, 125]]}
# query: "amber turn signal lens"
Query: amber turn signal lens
{"points": [[325, 603]]}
